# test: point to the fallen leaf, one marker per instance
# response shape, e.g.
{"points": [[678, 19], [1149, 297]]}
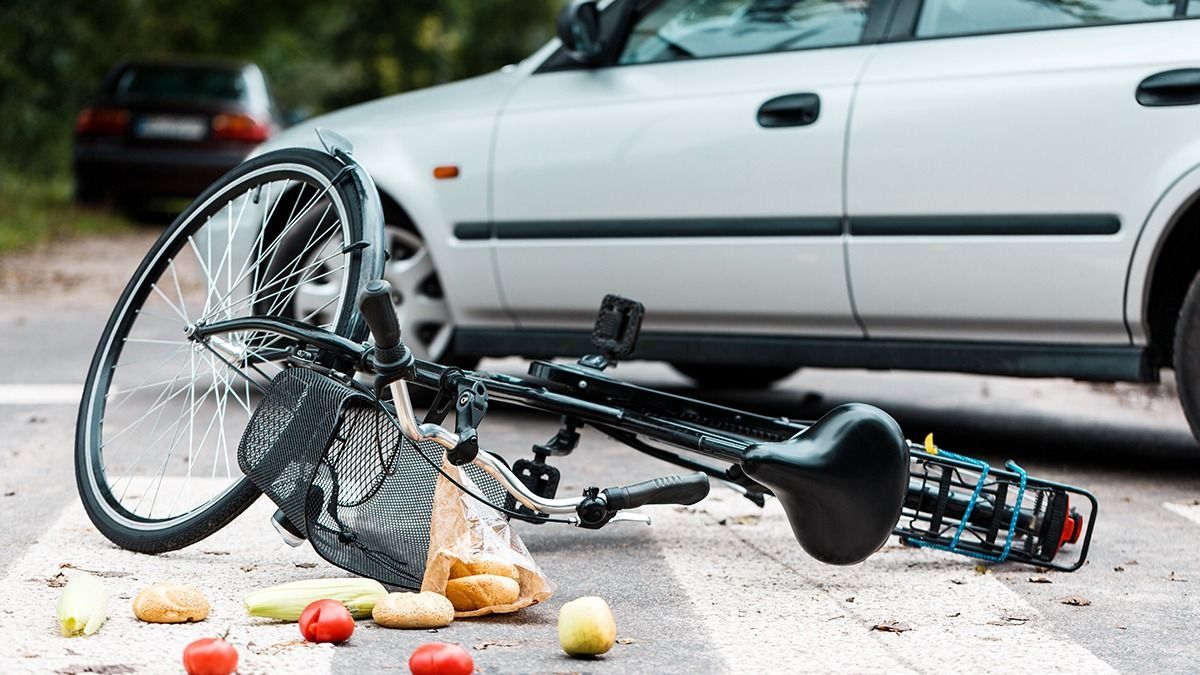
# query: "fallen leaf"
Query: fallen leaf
{"points": [[1172, 577], [624, 641], [495, 643], [981, 569], [10, 493], [1040, 580], [748, 519], [107, 574], [1009, 620], [1130, 563], [891, 626], [306, 565], [1075, 601], [275, 648]]}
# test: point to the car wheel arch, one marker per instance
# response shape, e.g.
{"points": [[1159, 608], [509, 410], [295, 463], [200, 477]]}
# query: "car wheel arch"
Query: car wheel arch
{"points": [[1168, 265]]}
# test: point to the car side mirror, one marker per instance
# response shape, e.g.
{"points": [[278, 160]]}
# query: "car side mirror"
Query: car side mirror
{"points": [[579, 31]]}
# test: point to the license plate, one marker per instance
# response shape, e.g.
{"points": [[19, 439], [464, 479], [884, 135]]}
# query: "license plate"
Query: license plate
{"points": [[174, 127]]}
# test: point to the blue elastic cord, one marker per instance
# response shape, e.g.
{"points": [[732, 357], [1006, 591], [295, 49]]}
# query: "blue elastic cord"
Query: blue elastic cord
{"points": [[984, 468]]}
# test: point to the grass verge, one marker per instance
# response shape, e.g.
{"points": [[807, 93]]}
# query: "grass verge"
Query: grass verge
{"points": [[36, 211]]}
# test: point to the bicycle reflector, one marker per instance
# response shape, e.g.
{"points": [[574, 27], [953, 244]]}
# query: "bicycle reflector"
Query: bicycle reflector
{"points": [[966, 506]]}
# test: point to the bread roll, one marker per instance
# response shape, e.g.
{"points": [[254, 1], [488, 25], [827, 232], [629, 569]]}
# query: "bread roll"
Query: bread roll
{"points": [[413, 610], [481, 590], [459, 569], [170, 603]]}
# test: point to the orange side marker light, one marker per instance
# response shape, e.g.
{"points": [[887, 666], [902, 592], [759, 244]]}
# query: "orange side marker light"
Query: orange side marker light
{"points": [[445, 172]]}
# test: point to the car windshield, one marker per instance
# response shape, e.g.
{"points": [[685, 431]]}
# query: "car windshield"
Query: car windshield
{"points": [[181, 83]]}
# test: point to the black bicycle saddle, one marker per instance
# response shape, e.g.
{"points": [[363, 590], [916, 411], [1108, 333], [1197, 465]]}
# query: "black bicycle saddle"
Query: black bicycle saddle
{"points": [[841, 482]]}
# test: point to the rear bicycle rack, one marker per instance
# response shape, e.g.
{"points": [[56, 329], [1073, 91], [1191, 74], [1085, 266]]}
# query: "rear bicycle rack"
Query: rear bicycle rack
{"points": [[965, 506]]}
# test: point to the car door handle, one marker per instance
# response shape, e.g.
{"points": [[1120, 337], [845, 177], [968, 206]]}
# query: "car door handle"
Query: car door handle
{"points": [[791, 110], [1172, 87]]}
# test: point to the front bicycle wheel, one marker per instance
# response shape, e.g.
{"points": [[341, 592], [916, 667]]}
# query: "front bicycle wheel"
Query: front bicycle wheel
{"points": [[162, 414]]}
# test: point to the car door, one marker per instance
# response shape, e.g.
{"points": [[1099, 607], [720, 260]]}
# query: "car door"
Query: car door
{"points": [[1001, 166], [700, 173]]}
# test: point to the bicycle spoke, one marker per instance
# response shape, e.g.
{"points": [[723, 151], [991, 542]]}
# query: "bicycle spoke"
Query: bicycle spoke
{"points": [[171, 418]]}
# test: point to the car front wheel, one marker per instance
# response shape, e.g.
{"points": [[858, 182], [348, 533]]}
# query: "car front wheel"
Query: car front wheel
{"points": [[1187, 355]]}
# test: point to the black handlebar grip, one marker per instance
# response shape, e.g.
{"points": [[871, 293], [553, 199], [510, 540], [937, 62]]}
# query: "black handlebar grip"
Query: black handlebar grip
{"points": [[375, 304], [665, 490]]}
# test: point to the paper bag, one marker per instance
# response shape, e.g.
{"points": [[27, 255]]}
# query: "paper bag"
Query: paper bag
{"points": [[462, 528]]}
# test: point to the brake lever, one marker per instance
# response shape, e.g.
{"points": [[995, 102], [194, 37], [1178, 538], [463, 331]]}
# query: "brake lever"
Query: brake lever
{"points": [[622, 517], [630, 517]]}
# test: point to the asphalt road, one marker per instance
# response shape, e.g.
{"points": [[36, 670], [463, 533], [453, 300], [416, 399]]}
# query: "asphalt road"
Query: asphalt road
{"points": [[717, 587]]}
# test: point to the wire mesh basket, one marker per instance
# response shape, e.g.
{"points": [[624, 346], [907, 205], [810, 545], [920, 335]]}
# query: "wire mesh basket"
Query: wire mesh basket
{"points": [[333, 460]]}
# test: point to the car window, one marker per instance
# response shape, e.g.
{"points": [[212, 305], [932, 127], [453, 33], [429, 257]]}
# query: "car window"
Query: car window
{"points": [[684, 29], [1193, 8], [957, 17], [181, 84]]}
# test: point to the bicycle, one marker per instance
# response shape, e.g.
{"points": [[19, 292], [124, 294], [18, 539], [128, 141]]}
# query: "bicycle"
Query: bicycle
{"points": [[244, 323]]}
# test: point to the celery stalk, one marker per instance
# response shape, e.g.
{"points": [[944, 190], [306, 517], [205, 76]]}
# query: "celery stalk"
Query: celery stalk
{"points": [[287, 601], [82, 606]]}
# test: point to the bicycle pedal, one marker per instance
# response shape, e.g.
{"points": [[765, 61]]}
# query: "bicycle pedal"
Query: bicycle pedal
{"points": [[541, 479], [618, 324], [291, 535]]}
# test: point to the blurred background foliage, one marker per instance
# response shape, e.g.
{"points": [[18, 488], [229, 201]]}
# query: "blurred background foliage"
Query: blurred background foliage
{"points": [[318, 55]]}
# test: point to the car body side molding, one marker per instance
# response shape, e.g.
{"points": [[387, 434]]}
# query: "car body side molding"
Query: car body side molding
{"points": [[786, 226], [986, 225], [1083, 362], [823, 226]]}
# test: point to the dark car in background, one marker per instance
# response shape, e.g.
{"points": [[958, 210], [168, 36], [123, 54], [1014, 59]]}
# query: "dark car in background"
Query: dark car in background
{"points": [[169, 128]]}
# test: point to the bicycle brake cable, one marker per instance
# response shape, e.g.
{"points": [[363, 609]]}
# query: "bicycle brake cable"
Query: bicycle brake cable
{"points": [[482, 500]]}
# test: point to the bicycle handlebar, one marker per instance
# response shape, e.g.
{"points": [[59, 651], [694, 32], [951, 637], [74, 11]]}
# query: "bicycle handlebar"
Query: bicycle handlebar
{"points": [[666, 490], [375, 304]]}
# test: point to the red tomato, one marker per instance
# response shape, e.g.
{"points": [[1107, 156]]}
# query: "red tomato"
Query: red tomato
{"points": [[210, 656], [326, 621], [439, 658]]}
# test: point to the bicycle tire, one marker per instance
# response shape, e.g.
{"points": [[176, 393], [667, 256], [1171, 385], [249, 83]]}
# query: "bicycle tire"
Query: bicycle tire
{"points": [[114, 519]]}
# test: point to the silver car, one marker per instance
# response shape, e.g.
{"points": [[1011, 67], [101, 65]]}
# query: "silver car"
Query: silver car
{"points": [[1005, 187]]}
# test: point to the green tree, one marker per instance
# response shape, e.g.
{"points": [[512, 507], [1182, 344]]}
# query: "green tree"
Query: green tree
{"points": [[317, 54]]}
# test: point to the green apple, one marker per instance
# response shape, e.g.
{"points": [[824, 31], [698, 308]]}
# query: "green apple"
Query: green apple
{"points": [[586, 627]]}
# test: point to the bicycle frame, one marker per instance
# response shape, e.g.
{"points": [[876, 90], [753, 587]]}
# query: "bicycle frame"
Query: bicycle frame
{"points": [[635, 415]]}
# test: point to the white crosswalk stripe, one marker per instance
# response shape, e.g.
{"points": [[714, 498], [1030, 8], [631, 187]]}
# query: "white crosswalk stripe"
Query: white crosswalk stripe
{"points": [[1191, 510], [771, 608], [245, 555], [764, 605], [40, 394]]}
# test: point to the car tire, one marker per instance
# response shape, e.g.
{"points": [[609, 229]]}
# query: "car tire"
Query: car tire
{"points": [[426, 322], [1187, 356], [422, 309], [733, 377]]}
